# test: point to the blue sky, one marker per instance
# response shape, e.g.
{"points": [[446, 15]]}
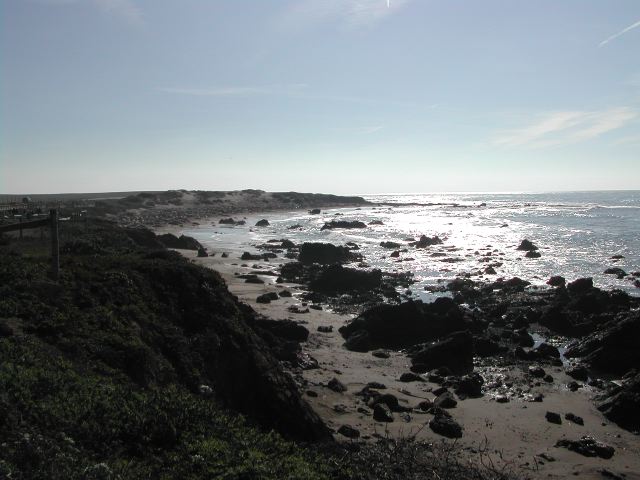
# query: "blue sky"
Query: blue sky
{"points": [[344, 96]]}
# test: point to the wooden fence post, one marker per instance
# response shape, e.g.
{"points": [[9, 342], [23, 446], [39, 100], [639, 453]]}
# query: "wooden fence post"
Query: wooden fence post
{"points": [[55, 245]]}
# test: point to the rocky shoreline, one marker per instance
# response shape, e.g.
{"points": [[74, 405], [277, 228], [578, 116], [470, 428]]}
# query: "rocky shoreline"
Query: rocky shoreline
{"points": [[370, 359]]}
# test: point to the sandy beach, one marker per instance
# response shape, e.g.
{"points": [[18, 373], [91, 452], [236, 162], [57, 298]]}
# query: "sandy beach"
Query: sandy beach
{"points": [[513, 435]]}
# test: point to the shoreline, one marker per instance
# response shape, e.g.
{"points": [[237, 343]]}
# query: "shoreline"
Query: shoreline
{"points": [[514, 434]]}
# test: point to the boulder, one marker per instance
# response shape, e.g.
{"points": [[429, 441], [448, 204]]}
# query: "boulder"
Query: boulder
{"points": [[469, 386], [580, 286], [556, 281], [202, 253], [533, 254], [445, 426], [262, 223], [287, 329], [336, 279], [348, 431], [454, 352], [527, 245], [182, 243], [553, 417], [425, 241], [399, 326], [333, 224], [573, 418], [314, 211], [382, 413], [618, 272], [267, 297], [390, 245], [325, 254], [622, 405], [445, 400], [613, 348], [336, 385], [587, 446]]}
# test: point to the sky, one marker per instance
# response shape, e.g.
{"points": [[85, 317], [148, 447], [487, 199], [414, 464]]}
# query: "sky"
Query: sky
{"points": [[336, 96]]}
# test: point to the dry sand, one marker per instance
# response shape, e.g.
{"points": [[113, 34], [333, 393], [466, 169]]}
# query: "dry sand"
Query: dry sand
{"points": [[513, 434]]}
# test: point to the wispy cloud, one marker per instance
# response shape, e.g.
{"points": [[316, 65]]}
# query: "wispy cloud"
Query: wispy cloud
{"points": [[621, 32], [294, 90], [237, 91], [559, 128], [352, 14], [126, 10]]}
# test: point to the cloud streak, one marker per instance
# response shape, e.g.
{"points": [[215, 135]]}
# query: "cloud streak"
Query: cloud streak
{"points": [[352, 14], [620, 33], [562, 128]]}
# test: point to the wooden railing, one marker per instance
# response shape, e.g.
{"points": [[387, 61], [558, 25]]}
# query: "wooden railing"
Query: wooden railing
{"points": [[52, 221]]}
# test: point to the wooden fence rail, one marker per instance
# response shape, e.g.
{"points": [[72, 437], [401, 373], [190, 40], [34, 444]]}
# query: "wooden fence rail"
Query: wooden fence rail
{"points": [[52, 221]]}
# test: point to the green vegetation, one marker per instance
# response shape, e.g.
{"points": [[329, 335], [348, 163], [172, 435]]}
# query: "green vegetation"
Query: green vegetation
{"points": [[97, 376]]}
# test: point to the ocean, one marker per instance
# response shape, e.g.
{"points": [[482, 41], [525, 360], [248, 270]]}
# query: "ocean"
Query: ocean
{"points": [[577, 234]]}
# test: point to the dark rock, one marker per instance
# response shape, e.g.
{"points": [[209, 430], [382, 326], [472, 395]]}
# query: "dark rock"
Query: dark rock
{"points": [[618, 272], [325, 328], [262, 223], [502, 399], [579, 373], [390, 245], [536, 371], [548, 378], [336, 279], [315, 211], [580, 286], [382, 413], [587, 446], [527, 246], [533, 254], [614, 347], [343, 224], [399, 326], [395, 254], [445, 426], [359, 341], [469, 386], [348, 431], [485, 347], [445, 400], [285, 294], [574, 418], [425, 241], [202, 253], [545, 350], [553, 417], [286, 329], [410, 377], [380, 354], [454, 352], [325, 254], [267, 297], [376, 222], [181, 243], [336, 385], [623, 404], [556, 281], [376, 385]]}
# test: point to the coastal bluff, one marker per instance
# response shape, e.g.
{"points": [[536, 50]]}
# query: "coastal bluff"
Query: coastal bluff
{"points": [[135, 356]]}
